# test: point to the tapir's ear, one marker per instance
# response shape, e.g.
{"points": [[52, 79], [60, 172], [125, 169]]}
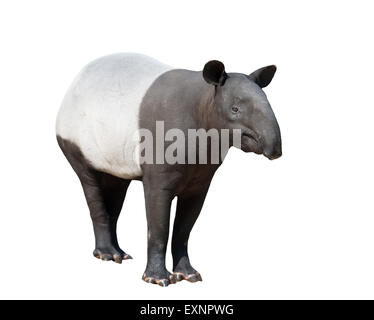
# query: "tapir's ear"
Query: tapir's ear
{"points": [[214, 73], [263, 76]]}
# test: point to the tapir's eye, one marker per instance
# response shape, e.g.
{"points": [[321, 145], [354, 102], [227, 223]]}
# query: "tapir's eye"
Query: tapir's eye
{"points": [[235, 109]]}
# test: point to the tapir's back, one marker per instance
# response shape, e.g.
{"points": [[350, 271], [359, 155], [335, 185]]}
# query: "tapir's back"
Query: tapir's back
{"points": [[100, 111]]}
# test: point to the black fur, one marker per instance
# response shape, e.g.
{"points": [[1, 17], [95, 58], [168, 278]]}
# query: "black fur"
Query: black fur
{"points": [[105, 195]]}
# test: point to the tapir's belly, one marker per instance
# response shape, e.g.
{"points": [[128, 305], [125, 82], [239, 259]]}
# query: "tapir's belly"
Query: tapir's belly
{"points": [[100, 112]]}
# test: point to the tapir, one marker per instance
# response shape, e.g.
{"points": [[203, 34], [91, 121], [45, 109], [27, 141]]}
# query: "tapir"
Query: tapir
{"points": [[97, 127]]}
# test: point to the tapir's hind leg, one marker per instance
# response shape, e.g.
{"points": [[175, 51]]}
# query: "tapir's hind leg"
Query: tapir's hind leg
{"points": [[105, 195]]}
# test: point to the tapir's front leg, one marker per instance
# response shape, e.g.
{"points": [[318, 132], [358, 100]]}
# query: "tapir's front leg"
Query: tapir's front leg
{"points": [[188, 210], [158, 202]]}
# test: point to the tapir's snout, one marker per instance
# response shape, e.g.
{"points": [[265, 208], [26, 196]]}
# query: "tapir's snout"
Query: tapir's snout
{"points": [[273, 153], [273, 142]]}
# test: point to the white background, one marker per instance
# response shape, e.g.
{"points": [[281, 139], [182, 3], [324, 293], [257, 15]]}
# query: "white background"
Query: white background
{"points": [[298, 227]]}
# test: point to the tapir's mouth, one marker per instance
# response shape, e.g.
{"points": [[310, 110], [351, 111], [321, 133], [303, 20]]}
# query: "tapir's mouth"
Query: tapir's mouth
{"points": [[250, 142]]}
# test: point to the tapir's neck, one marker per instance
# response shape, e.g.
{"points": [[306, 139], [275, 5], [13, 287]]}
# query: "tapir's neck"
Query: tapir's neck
{"points": [[200, 99], [182, 99], [204, 108]]}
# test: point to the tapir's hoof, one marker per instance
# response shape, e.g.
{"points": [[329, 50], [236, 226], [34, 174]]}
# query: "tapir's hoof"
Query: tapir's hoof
{"points": [[112, 255], [194, 277], [160, 282]]}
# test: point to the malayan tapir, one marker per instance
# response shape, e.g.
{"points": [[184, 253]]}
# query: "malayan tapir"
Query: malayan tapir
{"points": [[114, 97]]}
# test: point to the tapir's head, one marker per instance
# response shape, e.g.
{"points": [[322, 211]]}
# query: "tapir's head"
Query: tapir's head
{"points": [[241, 104]]}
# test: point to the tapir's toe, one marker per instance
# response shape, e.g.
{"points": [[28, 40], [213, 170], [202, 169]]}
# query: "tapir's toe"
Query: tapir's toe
{"points": [[193, 277], [112, 254], [164, 282]]}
